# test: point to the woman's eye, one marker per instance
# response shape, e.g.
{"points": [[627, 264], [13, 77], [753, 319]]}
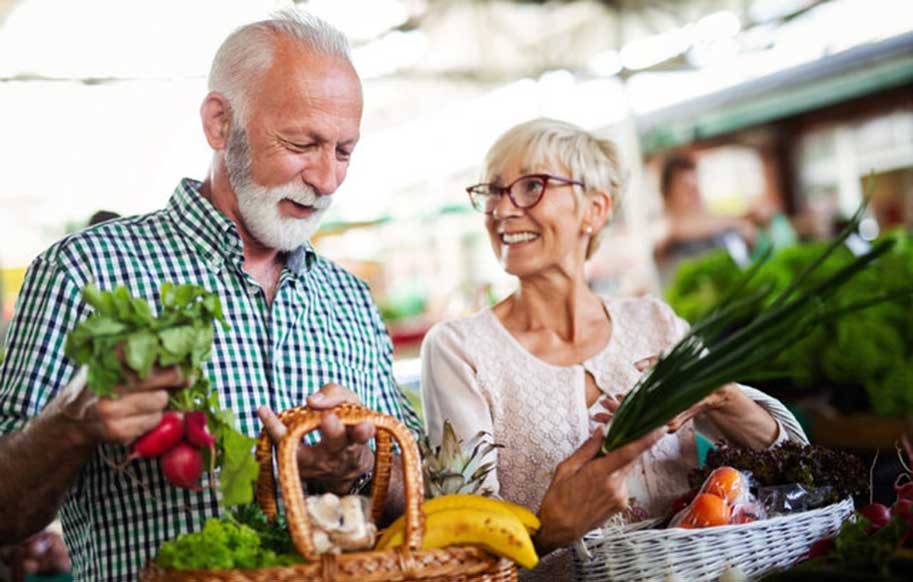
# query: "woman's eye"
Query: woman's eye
{"points": [[533, 186]]}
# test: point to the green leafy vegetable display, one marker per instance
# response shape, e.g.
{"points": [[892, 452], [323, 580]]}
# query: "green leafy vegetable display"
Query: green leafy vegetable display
{"points": [[274, 534], [858, 555], [123, 337], [871, 349], [221, 545], [712, 355], [181, 335], [808, 465]]}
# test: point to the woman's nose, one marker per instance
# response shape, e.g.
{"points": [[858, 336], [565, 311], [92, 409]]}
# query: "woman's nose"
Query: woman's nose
{"points": [[505, 207]]}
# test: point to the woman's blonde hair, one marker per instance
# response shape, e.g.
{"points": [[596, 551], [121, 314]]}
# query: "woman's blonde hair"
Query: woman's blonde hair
{"points": [[595, 162]]}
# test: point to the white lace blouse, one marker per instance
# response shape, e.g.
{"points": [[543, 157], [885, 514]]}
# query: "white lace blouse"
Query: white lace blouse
{"points": [[477, 375]]}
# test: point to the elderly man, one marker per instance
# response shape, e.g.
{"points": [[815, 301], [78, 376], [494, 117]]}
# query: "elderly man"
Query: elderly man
{"points": [[282, 118]]}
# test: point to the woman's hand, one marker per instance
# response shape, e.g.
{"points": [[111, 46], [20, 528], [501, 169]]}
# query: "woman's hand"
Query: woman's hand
{"points": [[586, 490], [716, 401]]}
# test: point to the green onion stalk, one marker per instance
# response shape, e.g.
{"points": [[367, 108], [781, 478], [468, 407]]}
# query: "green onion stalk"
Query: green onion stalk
{"points": [[711, 355]]}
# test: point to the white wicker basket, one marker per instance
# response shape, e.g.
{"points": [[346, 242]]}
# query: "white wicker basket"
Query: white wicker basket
{"points": [[698, 555]]}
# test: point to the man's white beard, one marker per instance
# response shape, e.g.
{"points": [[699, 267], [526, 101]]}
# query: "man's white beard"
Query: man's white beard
{"points": [[259, 205]]}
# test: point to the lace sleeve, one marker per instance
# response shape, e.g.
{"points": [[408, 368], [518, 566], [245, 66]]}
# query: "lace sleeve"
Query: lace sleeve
{"points": [[450, 391]]}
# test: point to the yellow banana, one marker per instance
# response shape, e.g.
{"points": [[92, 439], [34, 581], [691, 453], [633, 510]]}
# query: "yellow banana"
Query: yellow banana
{"points": [[499, 533], [460, 501], [468, 501]]}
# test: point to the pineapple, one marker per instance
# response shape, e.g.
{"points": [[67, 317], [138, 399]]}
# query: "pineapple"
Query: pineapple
{"points": [[454, 468]]}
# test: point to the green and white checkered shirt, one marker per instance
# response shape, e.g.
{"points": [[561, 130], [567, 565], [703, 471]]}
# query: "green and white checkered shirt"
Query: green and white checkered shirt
{"points": [[321, 327]]}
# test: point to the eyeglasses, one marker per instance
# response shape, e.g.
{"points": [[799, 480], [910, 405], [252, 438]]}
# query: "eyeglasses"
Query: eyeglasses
{"points": [[524, 192]]}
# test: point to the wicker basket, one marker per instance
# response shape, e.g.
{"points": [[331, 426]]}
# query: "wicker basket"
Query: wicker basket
{"points": [[698, 555], [407, 562]]}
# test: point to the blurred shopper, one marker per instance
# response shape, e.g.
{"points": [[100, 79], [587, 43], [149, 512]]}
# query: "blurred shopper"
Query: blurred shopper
{"points": [[102, 216], [43, 554], [545, 367], [282, 118], [689, 230]]}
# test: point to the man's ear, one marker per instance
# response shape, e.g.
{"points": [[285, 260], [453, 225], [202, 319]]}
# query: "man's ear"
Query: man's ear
{"points": [[598, 209], [215, 113]]}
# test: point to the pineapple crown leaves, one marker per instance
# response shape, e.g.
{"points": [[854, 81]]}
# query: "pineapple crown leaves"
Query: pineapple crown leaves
{"points": [[454, 467]]}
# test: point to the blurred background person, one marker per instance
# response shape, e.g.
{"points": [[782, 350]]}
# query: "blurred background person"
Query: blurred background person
{"points": [[690, 230], [43, 555], [102, 216]]}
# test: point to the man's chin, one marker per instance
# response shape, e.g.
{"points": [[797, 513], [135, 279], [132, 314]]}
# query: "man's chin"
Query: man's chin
{"points": [[285, 239]]}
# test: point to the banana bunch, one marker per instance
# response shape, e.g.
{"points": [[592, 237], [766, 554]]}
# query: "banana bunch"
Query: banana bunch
{"points": [[501, 527]]}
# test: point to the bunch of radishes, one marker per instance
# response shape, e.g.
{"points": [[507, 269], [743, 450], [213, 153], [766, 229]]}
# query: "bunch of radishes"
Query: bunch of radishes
{"points": [[879, 515], [178, 442]]}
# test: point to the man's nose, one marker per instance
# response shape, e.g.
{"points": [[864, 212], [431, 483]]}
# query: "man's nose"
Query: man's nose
{"points": [[325, 174]]}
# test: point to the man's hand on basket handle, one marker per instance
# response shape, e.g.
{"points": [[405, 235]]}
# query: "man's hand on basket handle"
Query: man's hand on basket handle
{"points": [[342, 455]]}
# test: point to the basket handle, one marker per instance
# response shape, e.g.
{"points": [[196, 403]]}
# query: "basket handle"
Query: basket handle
{"points": [[301, 421]]}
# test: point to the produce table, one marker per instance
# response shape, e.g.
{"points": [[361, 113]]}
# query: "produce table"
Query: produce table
{"points": [[858, 431]]}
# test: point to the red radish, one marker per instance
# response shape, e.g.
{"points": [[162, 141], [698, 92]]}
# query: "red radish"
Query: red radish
{"points": [[681, 502], [183, 466], [197, 433], [904, 491], [877, 514], [820, 548], [159, 440], [902, 508]]}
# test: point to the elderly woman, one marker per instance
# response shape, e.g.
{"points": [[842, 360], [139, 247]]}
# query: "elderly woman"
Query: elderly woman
{"points": [[544, 367]]}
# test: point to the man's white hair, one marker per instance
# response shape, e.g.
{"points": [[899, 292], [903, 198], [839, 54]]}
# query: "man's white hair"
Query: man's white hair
{"points": [[248, 53]]}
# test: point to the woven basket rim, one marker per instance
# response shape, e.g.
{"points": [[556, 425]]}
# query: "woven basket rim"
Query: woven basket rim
{"points": [[299, 421], [676, 533], [470, 552]]}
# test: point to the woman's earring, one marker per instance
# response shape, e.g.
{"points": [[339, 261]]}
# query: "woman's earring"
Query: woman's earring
{"points": [[588, 230]]}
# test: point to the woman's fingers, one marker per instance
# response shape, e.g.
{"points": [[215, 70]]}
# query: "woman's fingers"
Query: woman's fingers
{"points": [[645, 363], [626, 455], [582, 455]]}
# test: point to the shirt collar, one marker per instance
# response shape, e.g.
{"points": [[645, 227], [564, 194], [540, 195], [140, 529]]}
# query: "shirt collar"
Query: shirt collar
{"points": [[216, 235]]}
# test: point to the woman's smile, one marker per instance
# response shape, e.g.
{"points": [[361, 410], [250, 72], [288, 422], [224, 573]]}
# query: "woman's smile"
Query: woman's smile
{"points": [[519, 238]]}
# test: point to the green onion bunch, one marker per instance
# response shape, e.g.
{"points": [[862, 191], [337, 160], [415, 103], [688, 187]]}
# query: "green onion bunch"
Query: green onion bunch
{"points": [[712, 354]]}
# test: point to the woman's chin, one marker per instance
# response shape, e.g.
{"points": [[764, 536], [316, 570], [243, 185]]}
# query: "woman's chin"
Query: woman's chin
{"points": [[519, 268]]}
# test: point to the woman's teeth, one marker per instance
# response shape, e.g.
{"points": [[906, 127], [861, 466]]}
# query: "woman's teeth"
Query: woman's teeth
{"points": [[518, 237]]}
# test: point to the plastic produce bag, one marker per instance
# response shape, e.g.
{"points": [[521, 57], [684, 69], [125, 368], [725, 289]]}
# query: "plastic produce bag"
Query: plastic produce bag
{"points": [[793, 498], [724, 498]]}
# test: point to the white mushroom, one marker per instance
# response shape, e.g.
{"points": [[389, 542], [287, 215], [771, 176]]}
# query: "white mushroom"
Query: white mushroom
{"points": [[325, 512], [357, 531], [322, 543], [340, 524]]}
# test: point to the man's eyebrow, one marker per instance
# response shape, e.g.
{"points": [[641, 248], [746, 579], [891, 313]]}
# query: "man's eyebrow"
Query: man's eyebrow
{"points": [[351, 141], [314, 136], [295, 134]]}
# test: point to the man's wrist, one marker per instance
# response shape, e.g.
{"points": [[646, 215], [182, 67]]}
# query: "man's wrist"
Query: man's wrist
{"points": [[341, 488], [63, 428]]}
